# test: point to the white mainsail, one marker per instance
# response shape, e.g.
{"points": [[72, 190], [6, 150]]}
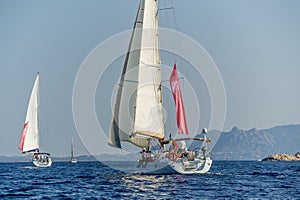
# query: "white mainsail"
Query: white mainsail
{"points": [[138, 111], [30, 136]]}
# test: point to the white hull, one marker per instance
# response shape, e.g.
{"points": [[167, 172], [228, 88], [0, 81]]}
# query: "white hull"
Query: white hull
{"points": [[180, 166], [73, 161], [39, 163], [161, 171], [198, 166], [155, 168]]}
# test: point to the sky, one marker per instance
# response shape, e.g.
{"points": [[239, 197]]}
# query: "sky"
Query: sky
{"points": [[254, 43]]}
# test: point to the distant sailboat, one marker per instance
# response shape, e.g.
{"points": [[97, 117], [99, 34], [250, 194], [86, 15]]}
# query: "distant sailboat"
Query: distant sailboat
{"points": [[29, 144], [141, 78], [73, 159]]}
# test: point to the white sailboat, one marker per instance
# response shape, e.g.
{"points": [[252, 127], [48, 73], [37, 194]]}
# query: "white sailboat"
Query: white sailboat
{"points": [[73, 159], [29, 144], [139, 97]]}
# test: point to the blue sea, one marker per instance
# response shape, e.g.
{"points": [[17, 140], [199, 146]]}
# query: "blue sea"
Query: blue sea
{"points": [[94, 180]]}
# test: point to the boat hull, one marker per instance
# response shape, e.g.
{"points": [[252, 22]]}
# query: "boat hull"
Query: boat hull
{"points": [[152, 169], [201, 166], [41, 163], [179, 166]]}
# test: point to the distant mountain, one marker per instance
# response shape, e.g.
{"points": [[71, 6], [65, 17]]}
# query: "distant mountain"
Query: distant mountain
{"points": [[4, 159], [256, 144], [236, 144], [103, 157], [14, 159]]}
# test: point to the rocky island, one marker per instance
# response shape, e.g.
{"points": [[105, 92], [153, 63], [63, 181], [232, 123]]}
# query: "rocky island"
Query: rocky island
{"points": [[283, 157]]}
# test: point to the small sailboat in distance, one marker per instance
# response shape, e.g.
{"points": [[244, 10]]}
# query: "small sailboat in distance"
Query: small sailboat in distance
{"points": [[139, 97], [29, 144], [73, 159]]}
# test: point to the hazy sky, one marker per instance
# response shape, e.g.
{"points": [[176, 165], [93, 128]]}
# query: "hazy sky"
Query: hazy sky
{"points": [[254, 43]]}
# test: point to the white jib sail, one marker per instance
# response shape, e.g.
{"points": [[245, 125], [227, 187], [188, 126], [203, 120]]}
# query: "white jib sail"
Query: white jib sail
{"points": [[124, 108]]}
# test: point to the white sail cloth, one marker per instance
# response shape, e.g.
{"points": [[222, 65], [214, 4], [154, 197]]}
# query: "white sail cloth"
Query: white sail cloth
{"points": [[30, 135], [138, 113]]}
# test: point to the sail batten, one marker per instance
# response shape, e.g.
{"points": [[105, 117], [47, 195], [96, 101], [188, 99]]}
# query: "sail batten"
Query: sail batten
{"points": [[151, 134]]}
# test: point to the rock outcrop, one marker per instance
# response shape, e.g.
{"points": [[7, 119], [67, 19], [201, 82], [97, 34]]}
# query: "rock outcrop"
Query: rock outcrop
{"points": [[283, 157]]}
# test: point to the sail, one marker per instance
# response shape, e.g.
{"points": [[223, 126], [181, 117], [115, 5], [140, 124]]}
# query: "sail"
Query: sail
{"points": [[149, 112], [180, 113], [124, 107], [30, 135], [137, 113]]}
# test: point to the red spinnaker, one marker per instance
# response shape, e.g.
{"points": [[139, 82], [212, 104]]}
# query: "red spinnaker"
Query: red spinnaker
{"points": [[180, 113], [23, 136]]}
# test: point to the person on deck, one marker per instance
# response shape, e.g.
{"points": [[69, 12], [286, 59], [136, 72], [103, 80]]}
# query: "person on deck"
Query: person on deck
{"points": [[182, 149]]}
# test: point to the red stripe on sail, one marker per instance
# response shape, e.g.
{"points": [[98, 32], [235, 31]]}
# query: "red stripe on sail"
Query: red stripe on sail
{"points": [[23, 136], [180, 113]]}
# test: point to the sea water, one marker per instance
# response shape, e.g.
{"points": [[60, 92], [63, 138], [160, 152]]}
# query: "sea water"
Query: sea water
{"points": [[226, 180]]}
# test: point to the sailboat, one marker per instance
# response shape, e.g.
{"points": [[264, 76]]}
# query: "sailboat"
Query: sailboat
{"points": [[73, 159], [138, 116], [29, 143]]}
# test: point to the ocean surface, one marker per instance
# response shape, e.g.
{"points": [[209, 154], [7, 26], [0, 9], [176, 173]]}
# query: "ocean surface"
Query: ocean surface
{"points": [[94, 180]]}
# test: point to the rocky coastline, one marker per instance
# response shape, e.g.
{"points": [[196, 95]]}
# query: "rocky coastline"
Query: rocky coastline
{"points": [[283, 157]]}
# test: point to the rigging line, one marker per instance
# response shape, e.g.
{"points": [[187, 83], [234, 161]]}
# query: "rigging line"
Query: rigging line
{"points": [[168, 8], [168, 25], [176, 28], [173, 10], [179, 50], [169, 80], [168, 21], [172, 38]]}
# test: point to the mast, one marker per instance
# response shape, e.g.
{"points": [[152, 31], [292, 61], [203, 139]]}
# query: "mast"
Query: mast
{"points": [[38, 112]]}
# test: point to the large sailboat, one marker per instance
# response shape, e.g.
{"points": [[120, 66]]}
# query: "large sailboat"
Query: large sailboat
{"points": [[29, 144], [138, 116]]}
